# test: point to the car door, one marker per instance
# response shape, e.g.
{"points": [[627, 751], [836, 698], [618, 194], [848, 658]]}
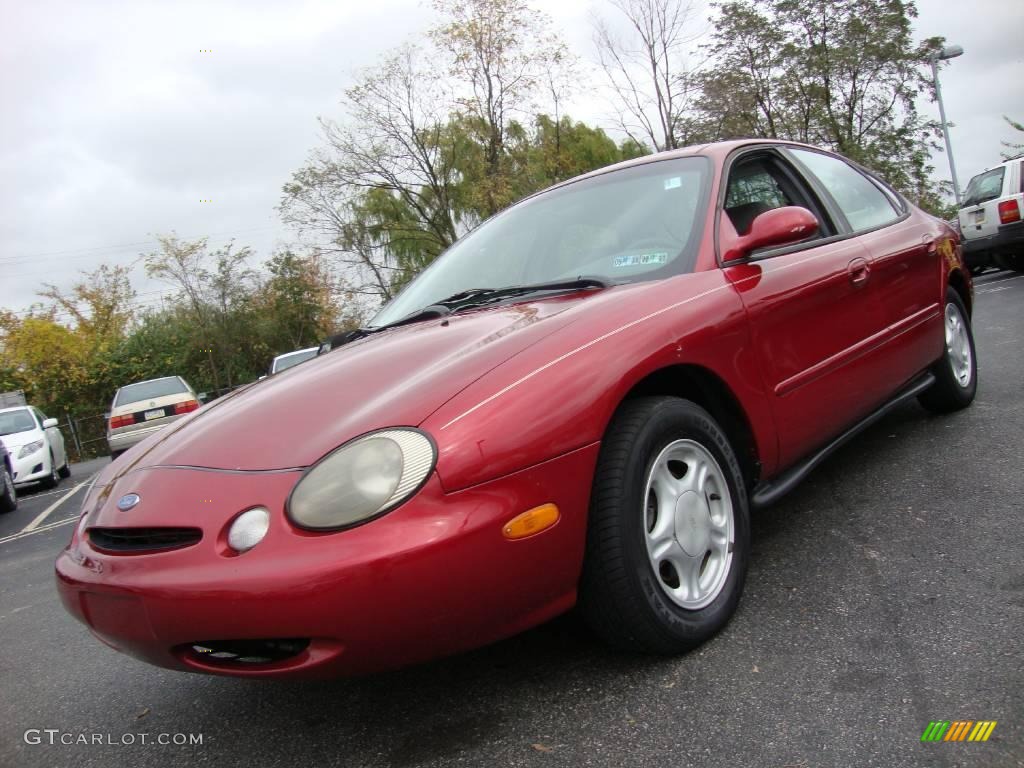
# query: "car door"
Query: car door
{"points": [[813, 308], [904, 250]]}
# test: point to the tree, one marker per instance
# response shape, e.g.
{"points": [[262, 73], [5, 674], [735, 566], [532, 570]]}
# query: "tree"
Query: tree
{"points": [[1015, 148], [502, 60], [396, 154], [842, 74], [647, 68], [296, 305], [217, 299]]}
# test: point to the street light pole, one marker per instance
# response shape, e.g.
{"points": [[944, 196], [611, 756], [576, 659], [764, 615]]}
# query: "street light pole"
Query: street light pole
{"points": [[948, 52]]}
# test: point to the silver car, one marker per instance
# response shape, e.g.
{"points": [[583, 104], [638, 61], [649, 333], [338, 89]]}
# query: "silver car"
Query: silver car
{"points": [[146, 407]]}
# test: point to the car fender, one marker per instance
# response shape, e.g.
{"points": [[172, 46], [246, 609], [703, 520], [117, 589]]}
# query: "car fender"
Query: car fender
{"points": [[561, 394]]}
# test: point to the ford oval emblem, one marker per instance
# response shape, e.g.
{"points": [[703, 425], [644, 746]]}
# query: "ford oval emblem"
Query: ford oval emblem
{"points": [[128, 501]]}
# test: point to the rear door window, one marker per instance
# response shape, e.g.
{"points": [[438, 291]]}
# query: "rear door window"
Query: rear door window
{"points": [[861, 201]]}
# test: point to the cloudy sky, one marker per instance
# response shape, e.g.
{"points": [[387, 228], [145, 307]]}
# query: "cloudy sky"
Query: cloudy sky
{"points": [[118, 122]]}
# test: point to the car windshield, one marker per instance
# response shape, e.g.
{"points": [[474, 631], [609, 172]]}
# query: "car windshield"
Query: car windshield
{"points": [[985, 186], [12, 422], [149, 390], [292, 358], [638, 223]]}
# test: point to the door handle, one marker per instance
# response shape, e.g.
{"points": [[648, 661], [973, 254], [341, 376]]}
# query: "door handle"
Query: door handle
{"points": [[859, 272]]}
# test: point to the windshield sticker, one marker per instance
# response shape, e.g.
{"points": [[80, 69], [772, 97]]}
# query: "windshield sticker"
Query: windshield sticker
{"points": [[674, 182], [641, 259]]}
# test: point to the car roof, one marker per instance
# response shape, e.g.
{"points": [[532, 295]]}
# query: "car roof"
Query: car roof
{"points": [[716, 150], [15, 408], [158, 378]]}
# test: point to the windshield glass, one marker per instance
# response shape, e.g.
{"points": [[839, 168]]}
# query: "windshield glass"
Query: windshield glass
{"points": [[149, 390], [292, 358], [984, 186], [12, 422], [633, 224]]}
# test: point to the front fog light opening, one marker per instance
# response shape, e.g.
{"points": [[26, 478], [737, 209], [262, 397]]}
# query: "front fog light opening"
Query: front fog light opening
{"points": [[362, 479], [248, 529]]}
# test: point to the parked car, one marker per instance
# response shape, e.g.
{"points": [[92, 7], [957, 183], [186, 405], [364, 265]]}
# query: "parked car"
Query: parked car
{"points": [[577, 404], [36, 446], [146, 407], [990, 218], [287, 360], [8, 494]]}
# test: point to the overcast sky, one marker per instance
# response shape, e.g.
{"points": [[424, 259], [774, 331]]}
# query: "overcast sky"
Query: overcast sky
{"points": [[117, 122]]}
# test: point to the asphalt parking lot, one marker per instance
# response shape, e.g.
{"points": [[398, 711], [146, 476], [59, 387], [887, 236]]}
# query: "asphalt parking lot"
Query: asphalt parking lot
{"points": [[886, 592]]}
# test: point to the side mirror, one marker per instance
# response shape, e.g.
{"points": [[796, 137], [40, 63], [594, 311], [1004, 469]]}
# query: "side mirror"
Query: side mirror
{"points": [[779, 226], [203, 397], [47, 423]]}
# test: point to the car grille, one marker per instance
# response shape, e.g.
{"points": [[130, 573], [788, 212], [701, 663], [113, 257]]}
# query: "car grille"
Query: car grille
{"points": [[243, 652], [140, 540]]}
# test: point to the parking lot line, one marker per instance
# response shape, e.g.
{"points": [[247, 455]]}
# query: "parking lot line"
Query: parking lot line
{"points": [[43, 515], [40, 529]]}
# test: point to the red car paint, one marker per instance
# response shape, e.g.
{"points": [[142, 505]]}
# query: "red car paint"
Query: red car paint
{"points": [[517, 398]]}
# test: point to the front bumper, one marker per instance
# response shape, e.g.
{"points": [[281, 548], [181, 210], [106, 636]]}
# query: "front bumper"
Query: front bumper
{"points": [[32, 468], [434, 577], [980, 251]]}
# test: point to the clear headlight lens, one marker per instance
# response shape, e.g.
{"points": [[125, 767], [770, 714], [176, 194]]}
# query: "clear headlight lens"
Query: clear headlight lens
{"points": [[29, 448], [362, 479], [248, 529]]}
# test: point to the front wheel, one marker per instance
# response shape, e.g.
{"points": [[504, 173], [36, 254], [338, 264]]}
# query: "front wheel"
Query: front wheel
{"points": [[669, 532], [956, 372], [8, 496], [53, 478]]}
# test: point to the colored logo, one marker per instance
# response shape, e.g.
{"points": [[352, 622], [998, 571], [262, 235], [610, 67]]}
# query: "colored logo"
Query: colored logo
{"points": [[958, 730], [128, 501]]}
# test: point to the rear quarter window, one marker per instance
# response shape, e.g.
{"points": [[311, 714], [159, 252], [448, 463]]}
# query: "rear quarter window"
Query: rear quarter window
{"points": [[860, 199]]}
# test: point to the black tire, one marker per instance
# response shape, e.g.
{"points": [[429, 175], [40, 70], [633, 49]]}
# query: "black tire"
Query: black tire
{"points": [[53, 479], [65, 471], [621, 595], [115, 454], [8, 494], [947, 394], [1014, 262]]}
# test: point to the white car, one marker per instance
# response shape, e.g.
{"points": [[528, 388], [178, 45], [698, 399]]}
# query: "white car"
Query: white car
{"points": [[289, 359], [36, 446], [145, 407], [991, 223]]}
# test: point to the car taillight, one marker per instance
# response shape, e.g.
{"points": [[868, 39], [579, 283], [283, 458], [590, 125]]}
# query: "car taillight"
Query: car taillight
{"points": [[187, 407], [1009, 212], [121, 421]]}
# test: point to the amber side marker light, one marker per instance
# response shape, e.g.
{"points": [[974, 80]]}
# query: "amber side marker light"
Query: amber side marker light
{"points": [[531, 521]]}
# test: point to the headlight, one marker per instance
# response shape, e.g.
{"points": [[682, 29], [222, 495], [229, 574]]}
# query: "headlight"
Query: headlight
{"points": [[30, 448], [362, 479]]}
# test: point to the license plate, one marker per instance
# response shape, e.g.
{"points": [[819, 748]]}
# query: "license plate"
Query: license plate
{"points": [[159, 412]]}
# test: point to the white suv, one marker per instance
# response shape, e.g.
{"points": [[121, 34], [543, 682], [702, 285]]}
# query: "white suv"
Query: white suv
{"points": [[991, 227]]}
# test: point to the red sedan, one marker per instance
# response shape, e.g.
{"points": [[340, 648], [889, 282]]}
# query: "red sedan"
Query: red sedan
{"points": [[578, 404]]}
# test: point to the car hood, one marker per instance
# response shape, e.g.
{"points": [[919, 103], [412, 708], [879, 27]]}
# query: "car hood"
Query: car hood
{"points": [[19, 439], [395, 378]]}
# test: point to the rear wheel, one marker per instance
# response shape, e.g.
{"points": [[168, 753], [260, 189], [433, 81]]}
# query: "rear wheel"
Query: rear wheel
{"points": [[1014, 262], [956, 372], [65, 471], [8, 496], [669, 532]]}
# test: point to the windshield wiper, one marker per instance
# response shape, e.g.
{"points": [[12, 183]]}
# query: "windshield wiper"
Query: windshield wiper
{"points": [[465, 299]]}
